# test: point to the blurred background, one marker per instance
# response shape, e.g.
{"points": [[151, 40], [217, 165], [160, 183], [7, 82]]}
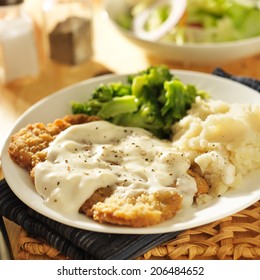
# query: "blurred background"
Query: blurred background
{"points": [[51, 53]]}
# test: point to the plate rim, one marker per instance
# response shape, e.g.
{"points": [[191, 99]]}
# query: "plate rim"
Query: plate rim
{"points": [[108, 228]]}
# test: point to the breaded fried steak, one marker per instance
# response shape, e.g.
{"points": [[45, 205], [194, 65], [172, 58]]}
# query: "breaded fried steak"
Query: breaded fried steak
{"points": [[137, 211], [27, 145], [116, 175]]}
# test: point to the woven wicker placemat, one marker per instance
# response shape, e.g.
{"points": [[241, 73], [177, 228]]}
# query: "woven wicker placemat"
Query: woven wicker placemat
{"points": [[232, 238]]}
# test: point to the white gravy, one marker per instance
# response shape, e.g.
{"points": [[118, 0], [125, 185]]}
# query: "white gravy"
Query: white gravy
{"points": [[98, 154]]}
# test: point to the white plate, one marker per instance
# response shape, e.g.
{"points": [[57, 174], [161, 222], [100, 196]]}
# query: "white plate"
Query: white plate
{"points": [[58, 105], [197, 53]]}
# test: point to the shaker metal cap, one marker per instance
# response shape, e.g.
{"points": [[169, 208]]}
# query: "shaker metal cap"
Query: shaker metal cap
{"points": [[10, 2]]}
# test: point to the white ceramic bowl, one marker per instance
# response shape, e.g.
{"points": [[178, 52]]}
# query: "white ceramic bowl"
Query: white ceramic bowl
{"points": [[197, 53]]}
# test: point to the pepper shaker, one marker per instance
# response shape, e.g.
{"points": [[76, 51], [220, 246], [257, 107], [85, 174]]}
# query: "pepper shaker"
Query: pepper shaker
{"points": [[68, 29], [18, 50]]}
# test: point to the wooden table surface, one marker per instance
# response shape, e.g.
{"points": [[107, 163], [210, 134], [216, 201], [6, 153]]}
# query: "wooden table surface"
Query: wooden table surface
{"points": [[112, 52]]}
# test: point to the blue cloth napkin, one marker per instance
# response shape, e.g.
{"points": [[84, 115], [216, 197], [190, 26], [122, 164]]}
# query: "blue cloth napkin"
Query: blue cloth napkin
{"points": [[253, 83]]}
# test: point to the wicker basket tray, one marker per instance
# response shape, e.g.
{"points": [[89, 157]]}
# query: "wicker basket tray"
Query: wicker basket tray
{"points": [[232, 238]]}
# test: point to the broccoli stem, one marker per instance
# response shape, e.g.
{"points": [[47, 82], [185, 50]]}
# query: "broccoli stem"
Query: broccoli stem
{"points": [[117, 106]]}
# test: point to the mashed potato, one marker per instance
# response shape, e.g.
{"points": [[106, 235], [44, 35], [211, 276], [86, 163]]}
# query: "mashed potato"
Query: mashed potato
{"points": [[223, 142]]}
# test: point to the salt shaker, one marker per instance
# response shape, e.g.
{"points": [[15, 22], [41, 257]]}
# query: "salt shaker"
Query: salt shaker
{"points": [[68, 29], [18, 50]]}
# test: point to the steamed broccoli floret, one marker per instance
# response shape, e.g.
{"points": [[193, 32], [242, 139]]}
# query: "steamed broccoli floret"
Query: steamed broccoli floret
{"points": [[107, 101], [152, 99], [178, 99], [106, 92], [152, 76], [147, 116]]}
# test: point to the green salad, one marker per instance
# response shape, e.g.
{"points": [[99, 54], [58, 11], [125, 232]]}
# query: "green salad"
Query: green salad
{"points": [[204, 20], [152, 99]]}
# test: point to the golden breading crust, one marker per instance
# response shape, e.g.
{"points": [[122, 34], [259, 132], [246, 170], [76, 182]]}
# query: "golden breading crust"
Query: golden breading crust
{"points": [[136, 211], [148, 209], [27, 145], [105, 205], [202, 185]]}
